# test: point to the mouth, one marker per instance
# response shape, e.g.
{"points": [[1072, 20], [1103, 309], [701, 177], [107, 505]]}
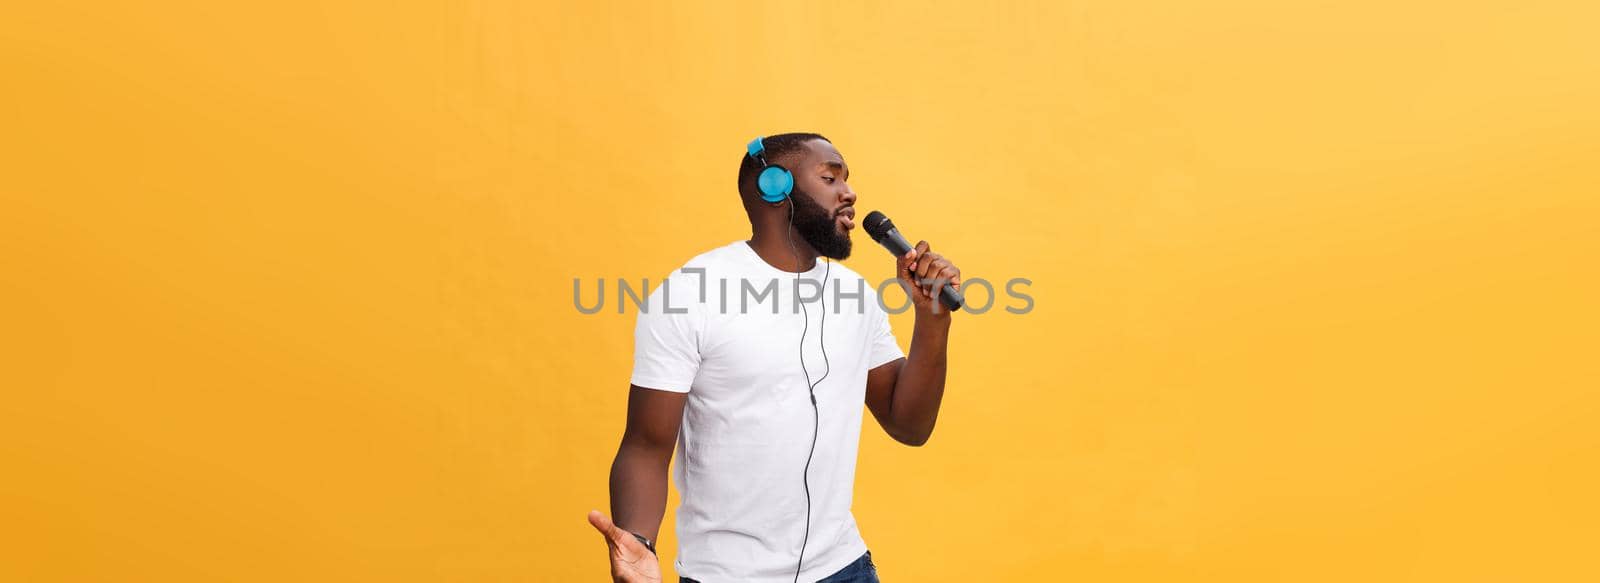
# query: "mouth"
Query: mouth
{"points": [[847, 217]]}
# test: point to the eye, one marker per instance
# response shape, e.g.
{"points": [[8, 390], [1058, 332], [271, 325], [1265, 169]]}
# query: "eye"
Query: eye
{"points": [[828, 178]]}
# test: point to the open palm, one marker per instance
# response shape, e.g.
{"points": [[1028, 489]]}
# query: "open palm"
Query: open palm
{"points": [[631, 562]]}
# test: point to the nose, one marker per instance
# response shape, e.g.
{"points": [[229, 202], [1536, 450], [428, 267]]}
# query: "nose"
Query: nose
{"points": [[848, 196]]}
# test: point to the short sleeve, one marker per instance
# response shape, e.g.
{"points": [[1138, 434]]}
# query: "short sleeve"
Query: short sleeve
{"points": [[881, 345], [666, 339]]}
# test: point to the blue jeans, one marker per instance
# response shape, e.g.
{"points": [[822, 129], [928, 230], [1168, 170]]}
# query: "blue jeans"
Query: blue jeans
{"points": [[861, 571]]}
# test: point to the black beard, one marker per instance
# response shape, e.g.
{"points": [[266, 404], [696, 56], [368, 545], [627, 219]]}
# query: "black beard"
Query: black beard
{"points": [[819, 227]]}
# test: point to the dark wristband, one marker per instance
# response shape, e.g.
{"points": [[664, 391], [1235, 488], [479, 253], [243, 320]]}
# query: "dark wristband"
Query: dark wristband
{"points": [[644, 541]]}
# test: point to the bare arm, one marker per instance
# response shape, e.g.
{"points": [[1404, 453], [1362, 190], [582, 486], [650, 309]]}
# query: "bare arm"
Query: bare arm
{"points": [[904, 395], [639, 472]]}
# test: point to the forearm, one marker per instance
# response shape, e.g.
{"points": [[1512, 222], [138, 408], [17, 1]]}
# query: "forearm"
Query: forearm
{"points": [[920, 386], [639, 488]]}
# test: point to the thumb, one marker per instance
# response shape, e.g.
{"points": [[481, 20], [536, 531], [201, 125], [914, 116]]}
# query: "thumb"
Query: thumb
{"points": [[905, 260], [605, 526], [905, 266], [615, 535]]}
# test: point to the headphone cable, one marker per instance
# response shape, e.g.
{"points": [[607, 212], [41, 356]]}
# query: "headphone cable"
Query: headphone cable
{"points": [[811, 388]]}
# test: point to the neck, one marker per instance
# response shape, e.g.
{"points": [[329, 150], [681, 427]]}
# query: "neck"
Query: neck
{"points": [[774, 249]]}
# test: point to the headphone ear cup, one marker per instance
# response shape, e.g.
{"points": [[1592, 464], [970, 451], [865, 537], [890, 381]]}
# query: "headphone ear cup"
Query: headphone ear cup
{"points": [[775, 184]]}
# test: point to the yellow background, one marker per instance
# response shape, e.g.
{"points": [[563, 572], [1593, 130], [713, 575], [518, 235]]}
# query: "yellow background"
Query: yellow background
{"points": [[287, 289]]}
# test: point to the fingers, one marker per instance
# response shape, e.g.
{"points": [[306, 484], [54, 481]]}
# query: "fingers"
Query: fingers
{"points": [[631, 561], [904, 264], [950, 274], [915, 256], [908, 262], [921, 268], [911, 263], [906, 272], [912, 288], [933, 266], [930, 264]]}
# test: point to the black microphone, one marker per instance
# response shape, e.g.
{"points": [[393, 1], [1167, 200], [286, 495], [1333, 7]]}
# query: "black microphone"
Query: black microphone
{"points": [[882, 230]]}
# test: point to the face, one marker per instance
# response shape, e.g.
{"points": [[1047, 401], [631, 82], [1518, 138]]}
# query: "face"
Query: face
{"points": [[824, 204]]}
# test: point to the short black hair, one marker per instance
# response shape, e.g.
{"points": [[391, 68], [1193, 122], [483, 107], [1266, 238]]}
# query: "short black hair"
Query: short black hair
{"points": [[777, 147]]}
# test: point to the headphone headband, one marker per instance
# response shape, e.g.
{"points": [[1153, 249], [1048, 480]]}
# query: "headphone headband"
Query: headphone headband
{"points": [[756, 148]]}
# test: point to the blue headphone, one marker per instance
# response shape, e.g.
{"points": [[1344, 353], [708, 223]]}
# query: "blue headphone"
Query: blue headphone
{"points": [[775, 182]]}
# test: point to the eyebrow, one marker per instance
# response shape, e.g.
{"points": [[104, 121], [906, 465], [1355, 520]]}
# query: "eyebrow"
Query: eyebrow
{"points": [[838, 166]]}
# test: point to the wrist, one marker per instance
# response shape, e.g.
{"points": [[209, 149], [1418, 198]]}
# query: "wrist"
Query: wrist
{"points": [[940, 318], [644, 540]]}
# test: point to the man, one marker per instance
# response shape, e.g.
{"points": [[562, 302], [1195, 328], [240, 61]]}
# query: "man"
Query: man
{"points": [[754, 360]]}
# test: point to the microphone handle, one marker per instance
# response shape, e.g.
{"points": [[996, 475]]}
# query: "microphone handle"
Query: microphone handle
{"points": [[897, 244]]}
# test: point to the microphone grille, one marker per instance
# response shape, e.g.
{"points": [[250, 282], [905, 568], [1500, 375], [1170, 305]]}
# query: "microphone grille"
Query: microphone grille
{"points": [[877, 224]]}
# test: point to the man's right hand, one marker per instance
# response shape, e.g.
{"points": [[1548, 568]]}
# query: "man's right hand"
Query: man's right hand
{"points": [[631, 562]]}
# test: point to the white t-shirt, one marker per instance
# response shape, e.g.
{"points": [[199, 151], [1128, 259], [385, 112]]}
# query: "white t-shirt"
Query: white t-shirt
{"points": [[734, 346]]}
